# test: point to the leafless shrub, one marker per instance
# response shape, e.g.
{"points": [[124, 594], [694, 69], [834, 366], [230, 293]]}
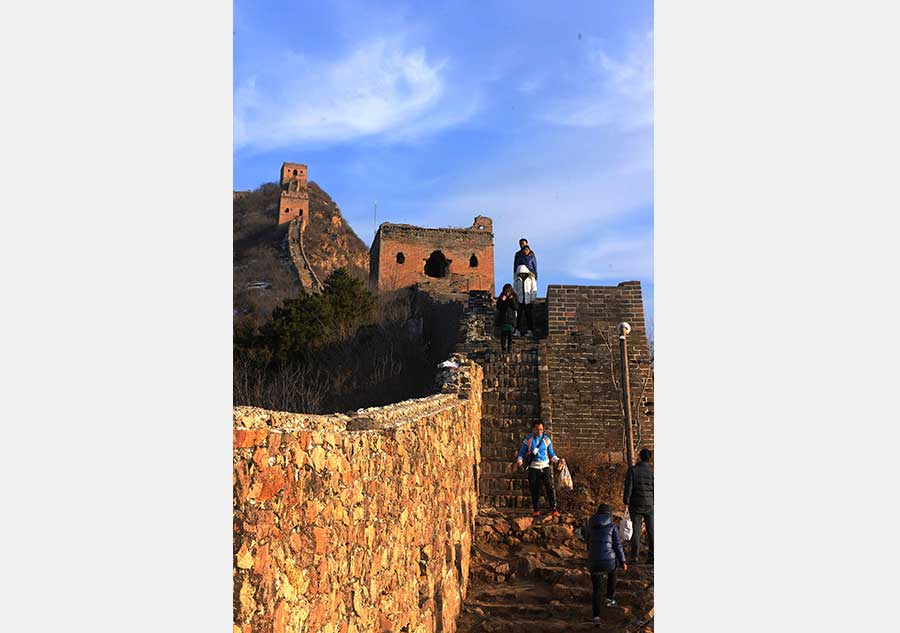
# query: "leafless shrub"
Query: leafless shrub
{"points": [[295, 387]]}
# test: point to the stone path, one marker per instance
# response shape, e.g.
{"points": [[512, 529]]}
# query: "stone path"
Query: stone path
{"points": [[529, 575]]}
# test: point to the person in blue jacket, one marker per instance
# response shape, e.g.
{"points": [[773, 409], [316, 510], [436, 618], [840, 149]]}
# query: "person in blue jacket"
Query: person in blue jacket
{"points": [[605, 552], [525, 257], [537, 451]]}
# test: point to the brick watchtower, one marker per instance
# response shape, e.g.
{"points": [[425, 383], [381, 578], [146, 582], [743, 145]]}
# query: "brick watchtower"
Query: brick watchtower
{"points": [[294, 201]]}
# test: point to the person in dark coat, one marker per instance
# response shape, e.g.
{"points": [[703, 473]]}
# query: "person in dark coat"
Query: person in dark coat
{"points": [[525, 257], [605, 553], [639, 502], [506, 316]]}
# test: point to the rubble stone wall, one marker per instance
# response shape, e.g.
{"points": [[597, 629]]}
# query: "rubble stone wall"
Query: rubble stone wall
{"points": [[581, 390], [357, 523]]}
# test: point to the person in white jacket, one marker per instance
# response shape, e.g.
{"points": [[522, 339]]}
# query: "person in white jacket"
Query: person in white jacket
{"points": [[526, 291]]}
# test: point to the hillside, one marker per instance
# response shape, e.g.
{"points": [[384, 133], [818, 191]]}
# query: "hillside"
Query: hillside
{"points": [[263, 273]]}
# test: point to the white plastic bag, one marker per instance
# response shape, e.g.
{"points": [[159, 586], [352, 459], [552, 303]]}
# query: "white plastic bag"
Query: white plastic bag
{"points": [[565, 477], [625, 529]]}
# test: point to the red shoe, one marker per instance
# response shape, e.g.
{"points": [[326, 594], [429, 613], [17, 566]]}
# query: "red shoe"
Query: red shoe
{"points": [[536, 513]]}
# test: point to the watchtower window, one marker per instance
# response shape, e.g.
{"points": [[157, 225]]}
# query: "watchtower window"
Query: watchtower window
{"points": [[473, 261], [437, 265], [401, 258], [295, 172]]}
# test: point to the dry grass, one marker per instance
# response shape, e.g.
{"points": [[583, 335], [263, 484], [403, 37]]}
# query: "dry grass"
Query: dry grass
{"points": [[595, 482], [386, 360]]}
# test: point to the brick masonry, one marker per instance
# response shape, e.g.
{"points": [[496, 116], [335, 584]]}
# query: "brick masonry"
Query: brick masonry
{"points": [[357, 523], [399, 254], [294, 201], [581, 357], [568, 379]]}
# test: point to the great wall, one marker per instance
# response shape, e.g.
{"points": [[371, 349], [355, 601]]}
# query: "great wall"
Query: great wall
{"points": [[371, 521]]}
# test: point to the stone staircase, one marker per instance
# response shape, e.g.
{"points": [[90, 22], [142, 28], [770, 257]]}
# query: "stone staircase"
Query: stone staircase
{"points": [[510, 399], [307, 275], [511, 404]]}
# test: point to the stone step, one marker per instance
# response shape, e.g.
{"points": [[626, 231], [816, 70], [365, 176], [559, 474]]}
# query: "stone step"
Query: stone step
{"points": [[497, 467], [522, 501], [510, 409], [509, 436], [521, 372], [504, 486], [511, 382], [495, 399], [499, 452], [523, 350], [519, 425], [524, 393]]}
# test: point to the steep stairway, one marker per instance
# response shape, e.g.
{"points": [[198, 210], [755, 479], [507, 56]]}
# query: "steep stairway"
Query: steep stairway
{"points": [[308, 278], [511, 404]]}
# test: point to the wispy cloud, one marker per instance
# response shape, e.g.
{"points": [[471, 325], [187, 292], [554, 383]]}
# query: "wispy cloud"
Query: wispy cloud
{"points": [[614, 90], [379, 88], [556, 198], [613, 258]]}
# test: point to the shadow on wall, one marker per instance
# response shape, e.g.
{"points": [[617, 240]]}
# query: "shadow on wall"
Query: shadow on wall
{"points": [[441, 319]]}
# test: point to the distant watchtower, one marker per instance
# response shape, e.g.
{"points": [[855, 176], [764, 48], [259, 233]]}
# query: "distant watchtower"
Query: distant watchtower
{"points": [[294, 201]]}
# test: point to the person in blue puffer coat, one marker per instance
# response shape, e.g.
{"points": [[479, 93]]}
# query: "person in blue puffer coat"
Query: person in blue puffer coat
{"points": [[605, 553]]}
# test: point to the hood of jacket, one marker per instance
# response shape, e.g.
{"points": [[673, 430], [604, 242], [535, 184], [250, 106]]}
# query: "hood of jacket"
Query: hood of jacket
{"points": [[601, 519], [523, 270]]}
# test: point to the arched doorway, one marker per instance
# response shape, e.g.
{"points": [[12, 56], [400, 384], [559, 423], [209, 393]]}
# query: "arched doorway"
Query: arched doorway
{"points": [[437, 265]]}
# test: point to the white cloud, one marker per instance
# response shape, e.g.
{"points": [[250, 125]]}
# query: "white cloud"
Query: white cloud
{"points": [[379, 88], [613, 258], [556, 197], [612, 91]]}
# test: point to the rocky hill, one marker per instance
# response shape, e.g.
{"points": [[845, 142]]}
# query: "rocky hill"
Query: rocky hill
{"points": [[263, 273], [329, 240]]}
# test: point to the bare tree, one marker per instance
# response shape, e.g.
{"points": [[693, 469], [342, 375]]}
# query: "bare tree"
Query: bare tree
{"points": [[638, 401]]}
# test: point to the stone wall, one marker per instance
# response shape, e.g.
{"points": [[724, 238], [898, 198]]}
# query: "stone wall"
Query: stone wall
{"points": [[580, 369], [400, 251], [357, 523]]}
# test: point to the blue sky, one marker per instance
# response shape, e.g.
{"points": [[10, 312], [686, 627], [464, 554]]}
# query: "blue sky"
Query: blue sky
{"points": [[539, 117]]}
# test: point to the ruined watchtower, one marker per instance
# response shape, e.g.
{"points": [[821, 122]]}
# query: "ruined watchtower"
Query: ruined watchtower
{"points": [[294, 202], [450, 260]]}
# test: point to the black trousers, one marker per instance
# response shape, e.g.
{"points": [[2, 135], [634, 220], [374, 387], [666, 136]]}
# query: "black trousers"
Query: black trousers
{"points": [[505, 340], [636, 519], [526, 313], [537, 478], [597, 583]]}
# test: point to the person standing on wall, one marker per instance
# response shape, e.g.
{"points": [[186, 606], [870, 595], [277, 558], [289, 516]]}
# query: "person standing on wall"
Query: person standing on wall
{"points": [[536, 453], [605, 553], [525, 256], [639, 502], [526, 291], [507, 303]]}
